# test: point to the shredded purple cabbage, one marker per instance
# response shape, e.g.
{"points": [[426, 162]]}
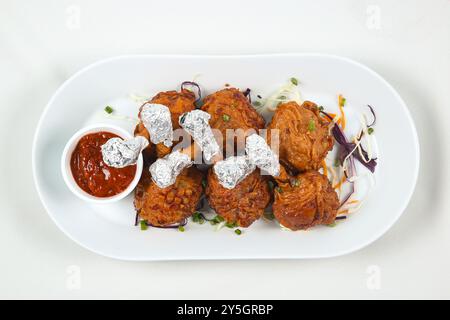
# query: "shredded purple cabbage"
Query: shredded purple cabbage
{"points": [[374, 116], [193, 84], [347, 147], [247, 94]]}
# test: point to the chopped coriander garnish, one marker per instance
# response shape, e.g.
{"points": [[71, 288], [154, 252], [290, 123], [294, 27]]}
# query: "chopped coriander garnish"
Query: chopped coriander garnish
{"points": [[321, 108], [370, 130], [294, 81], [311, 125], [238, 231], [257, 103], [109, 110], [278, 189], [226, 118], [181, 228], [143, 225]]}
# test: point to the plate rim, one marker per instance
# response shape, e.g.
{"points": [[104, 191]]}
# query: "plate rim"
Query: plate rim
{"points": [[378, 235]]}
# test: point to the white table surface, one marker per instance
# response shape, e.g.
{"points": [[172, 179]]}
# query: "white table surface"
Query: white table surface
{"points": [[42, 43]]}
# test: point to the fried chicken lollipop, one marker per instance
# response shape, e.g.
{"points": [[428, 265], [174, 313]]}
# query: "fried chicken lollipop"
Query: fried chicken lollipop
{"points": [[304, 138], [230, 109], [171, 205], [178, 103], [243, 204], [305, 200]]}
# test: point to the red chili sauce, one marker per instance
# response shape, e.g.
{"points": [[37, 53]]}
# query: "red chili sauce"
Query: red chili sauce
{"points": [[92, 174]]}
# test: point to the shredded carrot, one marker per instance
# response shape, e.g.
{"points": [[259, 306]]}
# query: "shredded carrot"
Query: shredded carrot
{"points": [[343, 212], [341, 109], [332, 115], [325, 170], [339, 184], [353, 201]]}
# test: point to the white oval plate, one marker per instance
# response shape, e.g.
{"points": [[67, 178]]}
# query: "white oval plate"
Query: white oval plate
{"points": [[108, 229]]}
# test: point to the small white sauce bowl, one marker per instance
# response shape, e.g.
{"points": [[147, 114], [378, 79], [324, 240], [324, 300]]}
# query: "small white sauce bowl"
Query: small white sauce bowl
{"points": [[67, 171]]}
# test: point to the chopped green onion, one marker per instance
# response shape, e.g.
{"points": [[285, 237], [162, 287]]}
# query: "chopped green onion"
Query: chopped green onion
{"points": [[269, 215], [337, 163], [295, 182], [343, 100], [231, 225], [216, 220], [109, 110], [278, 189], [198, 218], [226, 118], [238, 231], [282, 97], [204, 183], [143, 225], [257, 103], [294, 81], [370, 130], [311, 125], [321, 108], [331, 225], [181, 228]]}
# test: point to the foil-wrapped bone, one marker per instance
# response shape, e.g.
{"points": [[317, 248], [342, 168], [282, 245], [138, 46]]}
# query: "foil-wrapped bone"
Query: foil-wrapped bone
{"points": [[119, 153], [165, 170], [156, 118], [196, 123], [260, 154], [233, 170]]}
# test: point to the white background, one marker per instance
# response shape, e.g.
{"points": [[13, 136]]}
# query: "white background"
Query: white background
{"points": [[42, 43]]}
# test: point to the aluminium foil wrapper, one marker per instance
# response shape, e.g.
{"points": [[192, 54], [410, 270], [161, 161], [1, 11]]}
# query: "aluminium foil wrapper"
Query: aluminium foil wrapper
{"points": [[165, 171], [233, 170], [157, 120], [261, 155], [196, 123], [119, 153]]}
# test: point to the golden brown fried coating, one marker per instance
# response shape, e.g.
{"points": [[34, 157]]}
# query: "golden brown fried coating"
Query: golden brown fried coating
{"points": [[178, 103], [230, 109], [305, 200], [166, 206], [242, 205], [303, 135]]}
